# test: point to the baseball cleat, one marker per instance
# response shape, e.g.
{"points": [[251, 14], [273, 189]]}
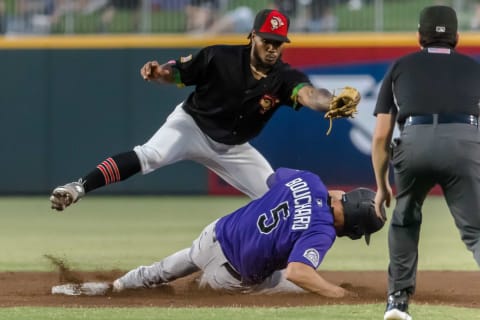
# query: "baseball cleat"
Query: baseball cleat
{"points": [[118, 286], [397, 306], [65, 195], [396, 314], [78, 289]]}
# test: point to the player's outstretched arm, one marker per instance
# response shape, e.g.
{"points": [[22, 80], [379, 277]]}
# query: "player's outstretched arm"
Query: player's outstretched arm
{"points": [[307, 278], [153, 71], [342, 105], [317, 99]]}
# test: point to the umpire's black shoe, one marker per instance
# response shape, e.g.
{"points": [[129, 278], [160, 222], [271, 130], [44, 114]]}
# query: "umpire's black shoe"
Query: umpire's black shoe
{"points": [[397, 306]]}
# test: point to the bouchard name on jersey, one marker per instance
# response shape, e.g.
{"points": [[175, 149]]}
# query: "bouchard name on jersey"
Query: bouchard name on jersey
{"points": [[291, 223]]}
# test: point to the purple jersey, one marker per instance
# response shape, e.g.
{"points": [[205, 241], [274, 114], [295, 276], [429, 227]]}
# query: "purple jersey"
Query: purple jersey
{"points": [[292, 222]]}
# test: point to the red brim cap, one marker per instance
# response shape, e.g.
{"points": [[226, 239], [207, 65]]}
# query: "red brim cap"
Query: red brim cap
{"points": [[272, 25]]}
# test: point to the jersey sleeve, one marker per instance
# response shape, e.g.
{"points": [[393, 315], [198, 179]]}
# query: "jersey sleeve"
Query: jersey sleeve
{"points": [[281, 174], [192, 69], [311, 249], [293, 81], [386, 99]]}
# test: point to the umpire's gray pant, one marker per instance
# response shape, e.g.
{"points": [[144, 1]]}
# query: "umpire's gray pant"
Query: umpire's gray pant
{"points": [[426, 155]]}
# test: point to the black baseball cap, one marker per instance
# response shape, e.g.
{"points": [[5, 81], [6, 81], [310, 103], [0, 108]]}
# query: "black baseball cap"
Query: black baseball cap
{"points": [[272, 25], [438, 21], [359, 213]]}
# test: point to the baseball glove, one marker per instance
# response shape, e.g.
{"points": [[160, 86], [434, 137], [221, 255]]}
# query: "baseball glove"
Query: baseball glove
{"points": [[343, 105]]}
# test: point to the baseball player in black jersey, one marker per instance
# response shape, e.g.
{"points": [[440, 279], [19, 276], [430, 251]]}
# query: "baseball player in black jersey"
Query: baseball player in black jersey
{"points": [[237, 90], [434, 96]]}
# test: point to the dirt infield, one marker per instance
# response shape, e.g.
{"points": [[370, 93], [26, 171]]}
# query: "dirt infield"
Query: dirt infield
{"points": [[434, 287]]}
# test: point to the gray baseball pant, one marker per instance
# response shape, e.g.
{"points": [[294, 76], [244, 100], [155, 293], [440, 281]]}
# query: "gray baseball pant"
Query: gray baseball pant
{"points": [[444, 154], [205, 254]]}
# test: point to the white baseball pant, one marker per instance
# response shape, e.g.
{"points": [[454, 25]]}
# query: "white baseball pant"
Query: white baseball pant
{"points": [[179, 138]]}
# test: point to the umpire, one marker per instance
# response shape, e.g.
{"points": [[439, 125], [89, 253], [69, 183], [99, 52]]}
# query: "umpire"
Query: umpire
{"points": [[434, 96]]}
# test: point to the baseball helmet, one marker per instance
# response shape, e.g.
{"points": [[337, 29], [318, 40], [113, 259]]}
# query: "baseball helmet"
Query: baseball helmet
{"points": [[359, 214]]}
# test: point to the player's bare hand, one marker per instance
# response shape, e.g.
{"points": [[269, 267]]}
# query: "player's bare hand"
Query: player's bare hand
{"points": [[152, 70], [341, 292], [348, 291], [383, 197]]}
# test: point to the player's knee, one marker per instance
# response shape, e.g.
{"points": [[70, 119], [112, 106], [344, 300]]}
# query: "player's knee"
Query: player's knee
{"points": [[150, 158]]}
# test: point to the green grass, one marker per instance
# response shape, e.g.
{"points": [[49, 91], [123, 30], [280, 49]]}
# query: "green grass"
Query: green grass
{"points": [[337, 312], [123, 232], [103, 232]]}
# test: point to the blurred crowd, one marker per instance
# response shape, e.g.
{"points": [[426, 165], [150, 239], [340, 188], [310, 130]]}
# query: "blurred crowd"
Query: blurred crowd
{"points": [[37, 16], [201, 16], [205, 16]]}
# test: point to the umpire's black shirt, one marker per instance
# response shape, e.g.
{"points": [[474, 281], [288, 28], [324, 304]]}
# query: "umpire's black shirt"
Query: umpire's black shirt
{"points": [[433, 80], [228, 103]]}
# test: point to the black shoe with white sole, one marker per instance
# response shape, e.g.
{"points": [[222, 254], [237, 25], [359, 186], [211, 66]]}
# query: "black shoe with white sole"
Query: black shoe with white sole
{"points": [[397, 306]]}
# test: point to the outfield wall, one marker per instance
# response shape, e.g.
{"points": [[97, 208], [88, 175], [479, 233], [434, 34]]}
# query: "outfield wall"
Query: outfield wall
{"points": [[66, 103]]}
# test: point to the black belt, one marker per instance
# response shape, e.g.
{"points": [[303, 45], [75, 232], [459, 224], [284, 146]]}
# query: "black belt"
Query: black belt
{"points": [[442, 118], [227, 265], [232, 271]]}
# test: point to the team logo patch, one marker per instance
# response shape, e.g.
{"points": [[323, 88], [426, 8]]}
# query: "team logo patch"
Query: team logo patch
{"points": [[186, 59], [312, 256], [276, 23], [320, 203], [267, 102], [440, 29]]}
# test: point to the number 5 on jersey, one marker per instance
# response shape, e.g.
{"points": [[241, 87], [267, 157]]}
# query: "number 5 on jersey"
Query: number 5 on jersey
{"points": [[266, 226]]}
